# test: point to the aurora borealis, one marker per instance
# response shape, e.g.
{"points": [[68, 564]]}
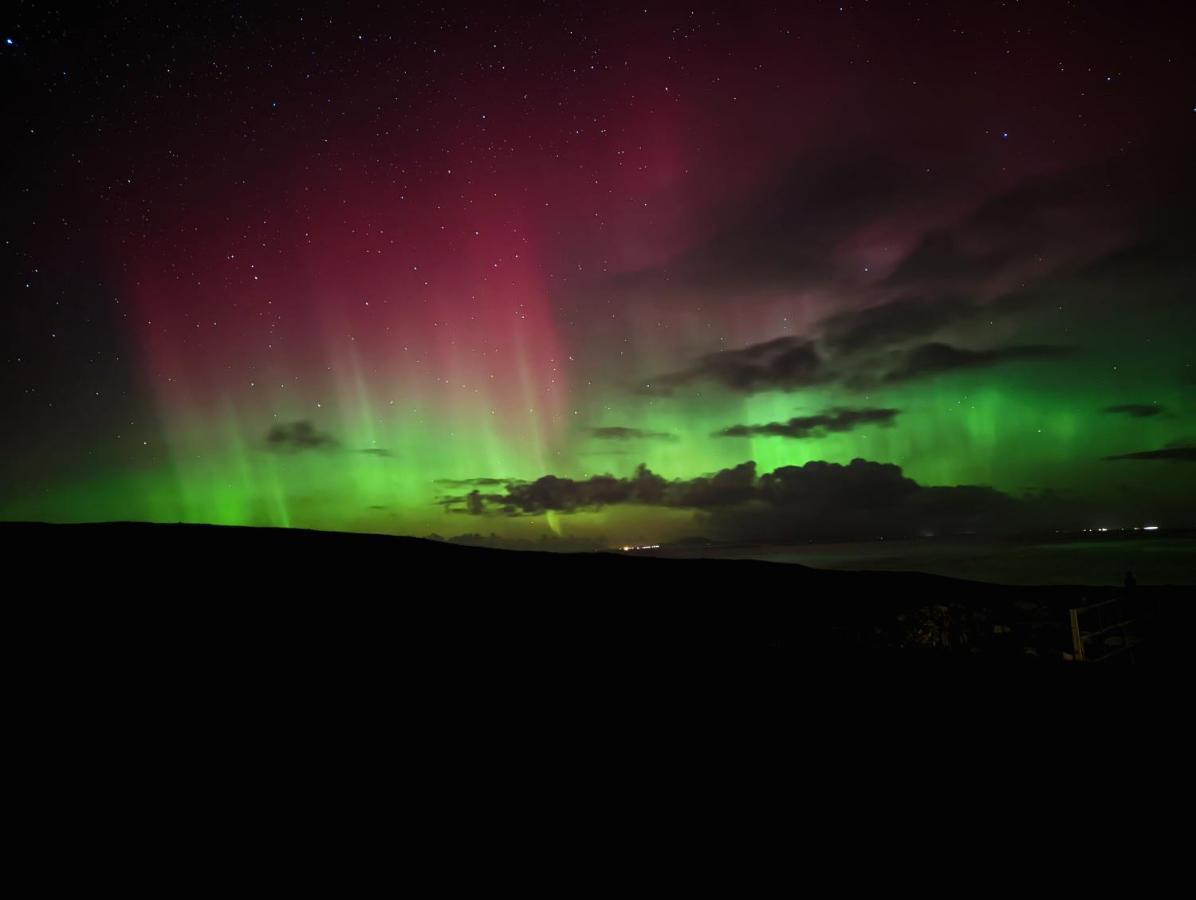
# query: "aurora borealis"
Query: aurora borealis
{"points": [[601, 271]]}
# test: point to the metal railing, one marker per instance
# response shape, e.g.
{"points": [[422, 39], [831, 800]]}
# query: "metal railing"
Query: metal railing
{"points": [[1104, 631]]}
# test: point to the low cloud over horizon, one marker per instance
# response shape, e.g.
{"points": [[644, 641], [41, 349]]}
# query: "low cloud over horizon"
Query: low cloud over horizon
{"points": [[815, 500]]}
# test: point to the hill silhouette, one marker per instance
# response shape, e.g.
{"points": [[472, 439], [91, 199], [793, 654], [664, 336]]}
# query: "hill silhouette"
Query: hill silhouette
{"points": [[258, 600]]}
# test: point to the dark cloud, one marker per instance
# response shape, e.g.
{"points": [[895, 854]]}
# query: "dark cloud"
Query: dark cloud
{"points": [[937, 358], [566, 494], [791, 363], [724, 488], [1156, 265], [1104, 230], [1076, 244], [296, 437], [1062, 216], [893, 322], [1173, 454], [551, 493], [785, 234], [1120, 214], [785, 364], [832, 420], [1136, 410], [864, 499], [817, 500], [474, 504], [620, 433], [1159, 274], [941, 257], [1107, 232], [302, 435]]}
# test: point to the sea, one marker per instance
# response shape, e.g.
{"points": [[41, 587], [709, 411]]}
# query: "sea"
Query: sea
{"points": [[1159, 558]]}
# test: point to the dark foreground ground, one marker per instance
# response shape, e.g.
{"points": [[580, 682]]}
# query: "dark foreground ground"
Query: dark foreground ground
{"points": [[220, 600], [179, 696]]}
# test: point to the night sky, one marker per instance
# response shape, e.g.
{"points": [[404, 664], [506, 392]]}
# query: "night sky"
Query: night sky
{"points": [[598, 271]]}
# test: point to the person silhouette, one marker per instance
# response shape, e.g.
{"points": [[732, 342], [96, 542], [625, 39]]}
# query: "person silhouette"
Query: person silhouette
{"points": [[1130, 581]]}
